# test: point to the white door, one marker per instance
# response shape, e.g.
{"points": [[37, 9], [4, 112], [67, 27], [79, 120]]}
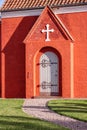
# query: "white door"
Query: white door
{"points": [[49, 74]]}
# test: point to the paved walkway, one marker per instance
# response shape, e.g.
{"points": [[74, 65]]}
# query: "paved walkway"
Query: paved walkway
{"points": [[38, 108]]}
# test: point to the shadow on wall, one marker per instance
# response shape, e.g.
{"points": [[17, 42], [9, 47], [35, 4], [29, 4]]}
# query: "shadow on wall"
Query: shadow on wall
{"points": [[14, 52]]}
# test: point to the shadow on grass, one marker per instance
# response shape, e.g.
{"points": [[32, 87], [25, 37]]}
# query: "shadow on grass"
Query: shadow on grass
{"points": [[69, 107], [72, 109], [24, 123], [77, 104]]}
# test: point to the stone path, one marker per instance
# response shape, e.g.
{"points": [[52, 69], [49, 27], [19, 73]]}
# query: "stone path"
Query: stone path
{"points": [[38, 108]]}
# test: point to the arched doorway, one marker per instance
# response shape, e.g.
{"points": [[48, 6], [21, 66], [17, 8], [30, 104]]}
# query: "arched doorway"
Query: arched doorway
{"points": [[49, 74]]}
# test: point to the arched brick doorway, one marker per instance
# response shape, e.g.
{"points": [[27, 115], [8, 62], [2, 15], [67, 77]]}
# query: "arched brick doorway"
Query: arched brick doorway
{"points": [[48, 72]]}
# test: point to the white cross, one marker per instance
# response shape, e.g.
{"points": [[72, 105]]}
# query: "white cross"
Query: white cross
{"points": [[47, 31]]}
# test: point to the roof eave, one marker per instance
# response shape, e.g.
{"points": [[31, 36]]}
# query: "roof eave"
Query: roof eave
{"points": [[42, 7]]}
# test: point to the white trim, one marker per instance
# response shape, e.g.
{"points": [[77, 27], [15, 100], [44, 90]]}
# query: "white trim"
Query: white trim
{"points": [[22, 13], [72, 69], [37, 12], [72, 9]]}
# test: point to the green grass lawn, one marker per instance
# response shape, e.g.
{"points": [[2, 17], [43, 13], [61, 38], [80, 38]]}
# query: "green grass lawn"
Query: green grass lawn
{"points": [[13, 118], [73, 108]]}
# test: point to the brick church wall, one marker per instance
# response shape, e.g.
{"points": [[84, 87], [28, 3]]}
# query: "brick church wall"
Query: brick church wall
{"points": [[14, 30], [76, 23]]}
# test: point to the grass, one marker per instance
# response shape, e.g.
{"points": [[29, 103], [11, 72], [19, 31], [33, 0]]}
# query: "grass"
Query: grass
{"points": [[73, 108], [13, 118]]}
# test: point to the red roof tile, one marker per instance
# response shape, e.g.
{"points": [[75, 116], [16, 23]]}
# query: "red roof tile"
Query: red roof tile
{"points": [[28, 4]]}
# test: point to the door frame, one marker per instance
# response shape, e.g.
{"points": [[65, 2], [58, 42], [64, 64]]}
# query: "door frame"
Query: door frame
{"points": [[37, 69]]}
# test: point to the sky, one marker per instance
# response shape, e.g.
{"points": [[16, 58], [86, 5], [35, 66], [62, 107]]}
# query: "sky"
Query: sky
{"points": [[1, 2]]}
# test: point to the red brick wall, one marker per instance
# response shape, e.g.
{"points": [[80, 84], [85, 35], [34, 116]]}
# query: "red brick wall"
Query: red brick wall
{"points": [[32, 65], [36, 45], [14, 31], [77, 26]]}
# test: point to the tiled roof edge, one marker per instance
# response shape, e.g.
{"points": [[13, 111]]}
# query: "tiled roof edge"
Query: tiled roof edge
{"points": [[42, 7]]}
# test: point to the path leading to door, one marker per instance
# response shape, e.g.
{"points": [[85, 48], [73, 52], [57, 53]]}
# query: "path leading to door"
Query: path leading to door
{"points": [[38, 108]]}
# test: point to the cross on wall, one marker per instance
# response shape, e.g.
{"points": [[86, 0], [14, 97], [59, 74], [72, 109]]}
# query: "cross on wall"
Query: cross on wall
{"points": [[47, 31]]}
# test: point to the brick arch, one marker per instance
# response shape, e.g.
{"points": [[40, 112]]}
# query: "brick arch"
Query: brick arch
{"points": [[36, 77]]}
